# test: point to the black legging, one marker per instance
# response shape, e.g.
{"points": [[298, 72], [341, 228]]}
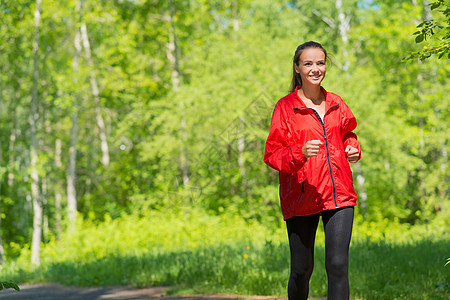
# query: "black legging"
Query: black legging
{"points": [[302, 231]]}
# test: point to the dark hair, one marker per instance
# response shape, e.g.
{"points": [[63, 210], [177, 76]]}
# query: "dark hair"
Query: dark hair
{"points": [[296, 79]]}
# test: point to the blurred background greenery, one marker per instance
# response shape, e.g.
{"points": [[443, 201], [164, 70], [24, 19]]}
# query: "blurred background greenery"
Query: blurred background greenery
{"points": [[132, 135]]}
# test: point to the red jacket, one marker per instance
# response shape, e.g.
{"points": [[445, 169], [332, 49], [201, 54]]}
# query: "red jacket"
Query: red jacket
{"points": [[323, 182]]}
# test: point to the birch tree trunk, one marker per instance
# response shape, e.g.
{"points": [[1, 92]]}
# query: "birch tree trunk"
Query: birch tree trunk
{"points": [[344, 27], [44, 195], [96, 95], [241, 139], [11, 149], [241, 150], [37, 205], [46, 129], [58, 196], [426, 16], [71, 172], [172, 55], [444, 160], [235, 16]]}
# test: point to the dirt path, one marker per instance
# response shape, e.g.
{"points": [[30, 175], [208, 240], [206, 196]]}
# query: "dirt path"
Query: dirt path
{"points": [[50, 291]]}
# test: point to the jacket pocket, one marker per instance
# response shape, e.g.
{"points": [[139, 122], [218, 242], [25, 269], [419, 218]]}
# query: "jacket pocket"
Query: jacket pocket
{"points": [[301, 191]]}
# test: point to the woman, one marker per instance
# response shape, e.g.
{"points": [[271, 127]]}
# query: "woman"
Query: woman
{"points": [[311, 144]]}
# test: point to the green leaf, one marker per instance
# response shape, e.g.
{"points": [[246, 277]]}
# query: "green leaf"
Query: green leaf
{"points": [[421, 24], [435, 5], [419, 38]]}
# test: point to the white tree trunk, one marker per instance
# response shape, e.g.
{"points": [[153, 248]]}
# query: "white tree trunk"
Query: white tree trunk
{"points": [[12, 140], [71, 175], [96, 94], [71, 171], [443, 192], [45, 228], [235, 16], [37, 204], [58, 196], [241, 139], [344, 27], [12, 143], [427, 16], [241, 147], [172, 55]]}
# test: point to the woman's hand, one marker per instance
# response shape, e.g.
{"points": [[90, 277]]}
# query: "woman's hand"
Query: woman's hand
{"points": [[352, 154], [311, 148]]}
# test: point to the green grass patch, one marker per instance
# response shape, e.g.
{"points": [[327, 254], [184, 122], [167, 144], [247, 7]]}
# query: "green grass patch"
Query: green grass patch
{"points": [[198, 253], [383, 270]]}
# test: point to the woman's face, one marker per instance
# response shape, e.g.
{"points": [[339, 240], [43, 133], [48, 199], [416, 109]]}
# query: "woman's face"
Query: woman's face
{"points": [[311, 66]]}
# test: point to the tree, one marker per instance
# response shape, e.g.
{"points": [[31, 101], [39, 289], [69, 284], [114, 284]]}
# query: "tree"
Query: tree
{"points": [[96, 95], [71, 171], [173, 53], [37, 201]]}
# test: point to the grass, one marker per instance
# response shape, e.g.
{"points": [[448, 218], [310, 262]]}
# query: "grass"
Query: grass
{"points": [[400, 271], [386, 262]]}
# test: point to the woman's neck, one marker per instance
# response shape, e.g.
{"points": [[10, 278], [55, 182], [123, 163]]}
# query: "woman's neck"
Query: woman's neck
{"points": [[313, 93]]}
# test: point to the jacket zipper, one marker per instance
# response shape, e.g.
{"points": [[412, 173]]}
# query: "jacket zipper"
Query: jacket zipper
{"points": [[326, 146], [328, 152]]}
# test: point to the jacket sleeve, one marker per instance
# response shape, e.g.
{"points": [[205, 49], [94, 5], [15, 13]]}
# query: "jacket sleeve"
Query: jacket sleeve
{"points": [[280, 153], [347, 127]]}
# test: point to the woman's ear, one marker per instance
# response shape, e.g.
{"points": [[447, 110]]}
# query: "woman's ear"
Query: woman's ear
{"points": [[296, 68]]}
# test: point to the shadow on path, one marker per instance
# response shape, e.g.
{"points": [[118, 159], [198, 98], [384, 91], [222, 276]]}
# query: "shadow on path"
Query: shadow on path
{"points": [[52, 291]]}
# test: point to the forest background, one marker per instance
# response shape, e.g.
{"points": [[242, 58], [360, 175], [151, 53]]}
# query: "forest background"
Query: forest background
{"points": [[134, 125]]}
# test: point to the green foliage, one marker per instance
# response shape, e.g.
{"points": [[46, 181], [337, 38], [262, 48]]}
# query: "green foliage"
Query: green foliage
{"points": [[165, 230], [401, 127], [8, 285], [437, 30]]}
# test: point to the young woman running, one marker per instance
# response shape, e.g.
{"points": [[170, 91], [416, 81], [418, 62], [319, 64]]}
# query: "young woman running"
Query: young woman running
{"points": [[311, 144]]}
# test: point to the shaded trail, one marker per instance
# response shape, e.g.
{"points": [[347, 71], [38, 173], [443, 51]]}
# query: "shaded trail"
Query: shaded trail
{"points": [[52, 291]]}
